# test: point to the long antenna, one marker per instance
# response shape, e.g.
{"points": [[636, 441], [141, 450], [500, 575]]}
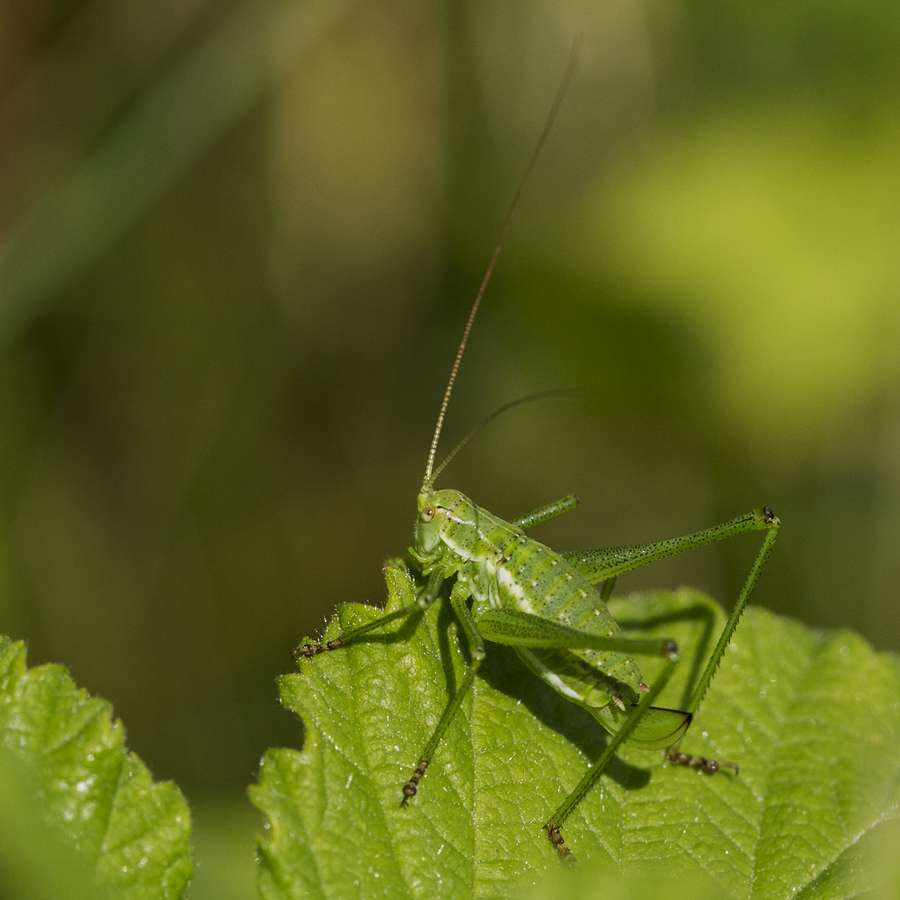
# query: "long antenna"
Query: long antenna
{"points": [[540, 395], [548, 124]]}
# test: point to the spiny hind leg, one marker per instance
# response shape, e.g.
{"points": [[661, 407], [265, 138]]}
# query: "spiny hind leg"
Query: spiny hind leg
{"points": [[605, 565], [764, 519], [555, 822]]}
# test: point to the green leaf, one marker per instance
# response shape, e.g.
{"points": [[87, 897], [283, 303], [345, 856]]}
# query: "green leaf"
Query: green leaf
{"points": [[95, 800], [812, 718]]}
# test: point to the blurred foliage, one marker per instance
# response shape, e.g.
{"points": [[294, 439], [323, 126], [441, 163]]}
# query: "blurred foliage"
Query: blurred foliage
{"points": [[37, 859], [81, 815], [238, 241]]}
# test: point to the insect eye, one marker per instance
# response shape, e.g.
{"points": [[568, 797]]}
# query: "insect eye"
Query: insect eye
{"points": [[428, 513]]}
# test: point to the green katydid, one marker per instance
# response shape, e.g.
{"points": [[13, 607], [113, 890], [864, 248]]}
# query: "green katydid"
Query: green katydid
{"points": [[510, 589]]}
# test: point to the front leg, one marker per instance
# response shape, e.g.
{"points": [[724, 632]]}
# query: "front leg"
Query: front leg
{"points": [[458, 597], [399, 585]]}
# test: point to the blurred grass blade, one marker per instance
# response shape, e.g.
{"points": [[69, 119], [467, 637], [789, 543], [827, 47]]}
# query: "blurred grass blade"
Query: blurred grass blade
{"points": [[166, 131]]}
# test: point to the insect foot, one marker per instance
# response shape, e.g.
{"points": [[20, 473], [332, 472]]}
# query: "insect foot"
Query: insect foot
{"points": [[556, 838], [310, 650], [701, 763], [411, 788]]}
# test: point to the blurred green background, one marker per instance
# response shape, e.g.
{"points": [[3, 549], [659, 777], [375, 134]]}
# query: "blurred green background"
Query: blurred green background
{"points": [[238, 243]]}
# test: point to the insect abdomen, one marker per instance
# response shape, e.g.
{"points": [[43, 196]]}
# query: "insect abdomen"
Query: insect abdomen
{"points": [[506, 568], [535, 580]]}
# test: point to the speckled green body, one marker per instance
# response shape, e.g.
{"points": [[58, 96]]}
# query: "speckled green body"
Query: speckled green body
{"points": [[502, 568], [510, 589]]}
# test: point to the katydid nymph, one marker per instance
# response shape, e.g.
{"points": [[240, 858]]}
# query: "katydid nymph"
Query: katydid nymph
{"points": [[510, 589]]}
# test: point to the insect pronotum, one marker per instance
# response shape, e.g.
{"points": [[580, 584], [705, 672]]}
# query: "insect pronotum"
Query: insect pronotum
{"points": [[544, 603]]}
